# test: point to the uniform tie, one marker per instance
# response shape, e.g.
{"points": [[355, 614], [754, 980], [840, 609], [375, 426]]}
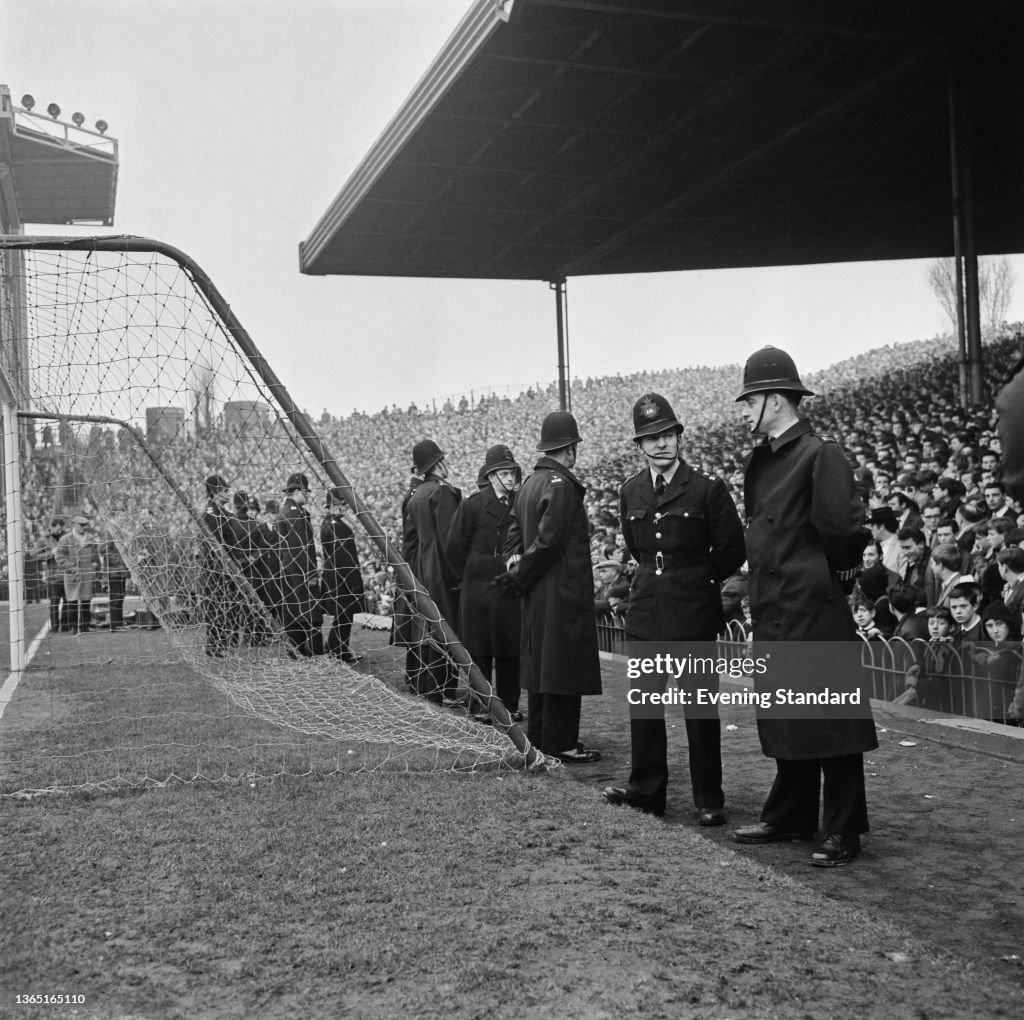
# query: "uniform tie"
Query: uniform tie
{"points": [[659, 485]]}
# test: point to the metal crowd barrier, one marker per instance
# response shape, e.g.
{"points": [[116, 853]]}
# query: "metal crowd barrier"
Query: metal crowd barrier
{"points": [[962, 681]]}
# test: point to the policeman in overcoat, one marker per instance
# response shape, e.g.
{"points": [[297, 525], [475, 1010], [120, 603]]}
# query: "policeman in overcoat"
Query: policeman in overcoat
{"points": [[300, 579], [804, 537], [426, 520], [682, 528], [490, 619], [221, 598], [342, 580], [548, 556]]}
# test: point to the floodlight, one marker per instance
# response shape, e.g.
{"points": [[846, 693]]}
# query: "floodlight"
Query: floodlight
{"points": [[28, 101], [53, 110], [78, 118], [101, 126]]}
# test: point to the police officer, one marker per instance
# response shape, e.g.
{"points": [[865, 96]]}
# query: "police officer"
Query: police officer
{"points": [[221, 598], [426, 517], [548, 556], [300, 580], [805, 538], [682, 528], [342, 589], [489, 624]]}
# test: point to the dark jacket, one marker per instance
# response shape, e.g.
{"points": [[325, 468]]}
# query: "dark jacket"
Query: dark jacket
{"points": [[426, 522], [298, 561], [490, 621], [550, 535], [694, 525], [341, 591], [805, 523]]}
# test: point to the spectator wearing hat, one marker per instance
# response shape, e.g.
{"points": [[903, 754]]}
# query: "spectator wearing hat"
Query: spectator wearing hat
{"points": [[221, 598], [883, 525], [78, 560], [682, 528], [548, 559], [341, 592], [490, 619], [426, 519], [300, 579], [805, 537]]}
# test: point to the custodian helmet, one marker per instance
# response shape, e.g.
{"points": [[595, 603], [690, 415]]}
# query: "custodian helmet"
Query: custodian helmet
{"points": [[771, 370], [652, 414], [558, 429]]}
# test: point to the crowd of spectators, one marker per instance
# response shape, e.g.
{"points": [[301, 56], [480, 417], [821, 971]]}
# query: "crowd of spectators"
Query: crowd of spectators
{"points": [[895, 410]]}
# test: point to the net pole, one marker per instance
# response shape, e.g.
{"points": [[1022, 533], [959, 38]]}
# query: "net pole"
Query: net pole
{"points": [[15, 550], [421, 599]]}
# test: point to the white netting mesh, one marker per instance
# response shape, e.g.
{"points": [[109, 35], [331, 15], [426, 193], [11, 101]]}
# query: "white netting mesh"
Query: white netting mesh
{"points": [[138, 393]]}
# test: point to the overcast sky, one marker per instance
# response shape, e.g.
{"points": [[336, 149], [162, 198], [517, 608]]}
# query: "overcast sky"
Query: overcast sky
{"points": [[240, 120]]}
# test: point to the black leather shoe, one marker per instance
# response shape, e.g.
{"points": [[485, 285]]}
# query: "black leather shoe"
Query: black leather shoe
{"points": [[708, 817], [836, 851], [619, 796], [764, 833], [578, 756]]}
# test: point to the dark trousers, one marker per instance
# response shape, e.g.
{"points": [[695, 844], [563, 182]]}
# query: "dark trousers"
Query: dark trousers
{"points": [[648, 780], [115, 591], [553, 722], [58, 612], [505, 678], [792, 803], [79, 616]]}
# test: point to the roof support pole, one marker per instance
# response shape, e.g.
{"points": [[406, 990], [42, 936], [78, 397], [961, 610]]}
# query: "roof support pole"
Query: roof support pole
{"points": [[564, 395], [964, 245]]}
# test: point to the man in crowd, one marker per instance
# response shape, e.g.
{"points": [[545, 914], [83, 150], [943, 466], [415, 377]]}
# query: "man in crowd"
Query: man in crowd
{"points": [[883, 526], [916, 569], [491, 619], [682, 528], [427, 516], [805, 536], [77, 558], [300, 580], [548, 559]]}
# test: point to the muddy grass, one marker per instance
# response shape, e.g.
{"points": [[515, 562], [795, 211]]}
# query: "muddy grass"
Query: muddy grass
{"points": [[441, 895]]}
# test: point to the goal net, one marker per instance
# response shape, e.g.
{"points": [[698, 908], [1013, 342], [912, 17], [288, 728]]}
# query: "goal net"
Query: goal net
{"points": [[172, 511]]}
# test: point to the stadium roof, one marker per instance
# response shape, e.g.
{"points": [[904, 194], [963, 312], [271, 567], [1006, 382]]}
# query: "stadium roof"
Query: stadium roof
{"points": [[556, 138], [52, 171]]}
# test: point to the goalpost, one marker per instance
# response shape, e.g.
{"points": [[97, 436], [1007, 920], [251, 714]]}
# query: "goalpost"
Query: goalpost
{"points": [[127, 381]]}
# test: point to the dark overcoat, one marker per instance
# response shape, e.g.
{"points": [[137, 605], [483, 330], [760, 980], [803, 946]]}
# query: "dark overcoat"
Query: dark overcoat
{"points": [[298, 561], [342, 581], [549, 533], [695, 528], [489, 622], [426, 522], [805, 523]]}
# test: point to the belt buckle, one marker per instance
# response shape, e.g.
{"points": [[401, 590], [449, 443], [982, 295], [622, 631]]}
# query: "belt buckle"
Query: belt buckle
{"points": [[659, 563]]}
